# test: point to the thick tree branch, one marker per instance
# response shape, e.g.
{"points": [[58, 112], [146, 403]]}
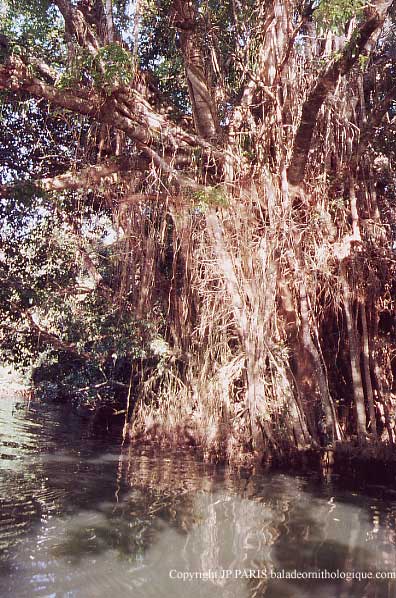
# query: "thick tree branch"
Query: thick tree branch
{"points": [[125, 109], [73, 180], [52, 339], [92, 175], [15, 76], [31, 319], [374, 18]]}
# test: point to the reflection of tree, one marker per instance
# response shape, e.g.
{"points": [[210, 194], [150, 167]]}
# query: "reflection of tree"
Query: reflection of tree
{"points": [[219, 520], [147, 513], [332, 534], [273, 523]]}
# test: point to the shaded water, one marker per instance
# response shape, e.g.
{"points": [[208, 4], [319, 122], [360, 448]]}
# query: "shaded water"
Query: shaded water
{"points": [[82, 517]]}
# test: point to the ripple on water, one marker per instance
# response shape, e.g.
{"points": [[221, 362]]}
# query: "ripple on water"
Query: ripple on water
{"points": [[78, 519]]}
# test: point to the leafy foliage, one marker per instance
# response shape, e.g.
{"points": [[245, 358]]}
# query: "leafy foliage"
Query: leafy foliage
{"points": [[334, 14], [34, 28], [42, 277], [111, 66]]}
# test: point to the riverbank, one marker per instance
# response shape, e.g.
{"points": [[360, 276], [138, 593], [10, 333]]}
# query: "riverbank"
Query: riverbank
{"points": [[374, 461]]}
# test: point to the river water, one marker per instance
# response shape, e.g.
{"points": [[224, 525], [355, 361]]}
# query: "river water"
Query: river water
{"points": [[83, 517]]}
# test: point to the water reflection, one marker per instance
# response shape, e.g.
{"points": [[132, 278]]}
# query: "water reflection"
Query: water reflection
{"points": [[81, 517]]}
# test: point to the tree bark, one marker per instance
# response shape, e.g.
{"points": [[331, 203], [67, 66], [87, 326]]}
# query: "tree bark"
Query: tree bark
{"points": [[366, 370], [82, 179], [309, 345], [185, 17], [109, 21], [354, 354]]}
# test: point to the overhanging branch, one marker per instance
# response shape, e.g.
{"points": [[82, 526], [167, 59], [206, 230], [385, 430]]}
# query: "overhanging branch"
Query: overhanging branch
{"points": [[35, 327], [125, 109], [72, 180], [52, 339]]}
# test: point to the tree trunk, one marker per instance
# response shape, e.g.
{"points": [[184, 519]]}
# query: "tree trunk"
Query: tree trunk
{"points": [[366, 369], [354, 354]]}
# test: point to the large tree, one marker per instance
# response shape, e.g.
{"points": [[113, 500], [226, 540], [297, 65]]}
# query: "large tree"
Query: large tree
{"points": [[240, 155]]}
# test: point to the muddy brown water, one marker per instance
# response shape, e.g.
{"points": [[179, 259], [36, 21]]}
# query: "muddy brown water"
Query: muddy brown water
{"points": [[83, 517]]}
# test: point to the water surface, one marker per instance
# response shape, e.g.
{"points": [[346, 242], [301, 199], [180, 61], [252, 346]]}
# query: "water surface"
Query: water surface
{"points": [[81, 516]]}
